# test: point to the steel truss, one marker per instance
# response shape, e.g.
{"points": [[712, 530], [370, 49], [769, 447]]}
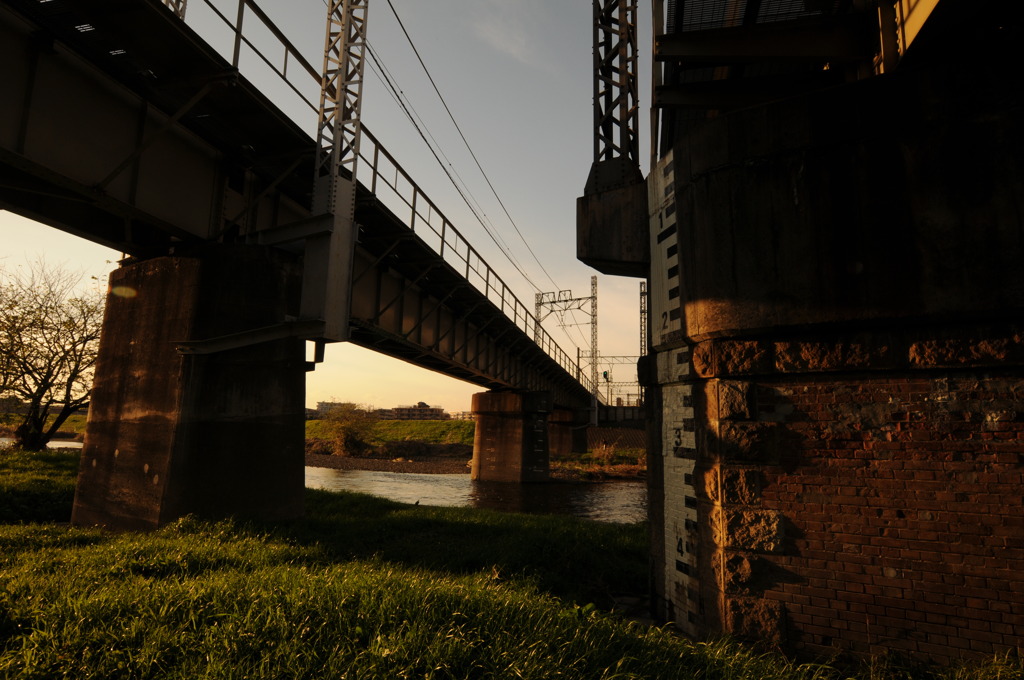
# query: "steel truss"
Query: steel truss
{"points": [[616, 107], [328, 262], [177, 6]]}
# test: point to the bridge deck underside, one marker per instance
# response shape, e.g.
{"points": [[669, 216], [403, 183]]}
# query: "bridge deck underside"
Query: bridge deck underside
{"points": [[135, 133], [408, 302]]}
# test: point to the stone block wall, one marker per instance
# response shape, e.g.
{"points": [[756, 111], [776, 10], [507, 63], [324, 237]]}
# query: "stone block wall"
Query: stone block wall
{"points": [[862, 511]]}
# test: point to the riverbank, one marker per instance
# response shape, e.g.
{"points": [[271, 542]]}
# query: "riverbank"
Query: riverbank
{"points": [[434, 465], [441, 447], [446, 447], [566, 471]]}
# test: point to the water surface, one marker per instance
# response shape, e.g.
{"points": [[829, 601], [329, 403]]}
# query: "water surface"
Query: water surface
{"points": [[616, 501], [52, 444]]}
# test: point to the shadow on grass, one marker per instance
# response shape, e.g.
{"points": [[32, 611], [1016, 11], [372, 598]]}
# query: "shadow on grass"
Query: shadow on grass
{"points": [[37, 487], [578, 560]]}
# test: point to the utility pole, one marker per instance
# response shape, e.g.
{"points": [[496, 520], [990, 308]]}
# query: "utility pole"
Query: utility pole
{"points": [[327, 275], [563, 301], [616, 386], [644, 342]]}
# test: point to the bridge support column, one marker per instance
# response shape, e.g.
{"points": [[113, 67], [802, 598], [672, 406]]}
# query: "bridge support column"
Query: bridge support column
{"points": [[567, 433], [216, 434], [511, 441]]}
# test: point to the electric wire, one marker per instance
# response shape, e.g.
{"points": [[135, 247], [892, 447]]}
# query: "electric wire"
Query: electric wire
{"points": [[385, 77], [395, 91], [433, 84], [390, 84], [475, 159]]}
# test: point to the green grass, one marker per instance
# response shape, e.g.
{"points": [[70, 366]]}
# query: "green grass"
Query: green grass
{"points": [[74, 425], [37, 487], [427, 431], [362, 588]]}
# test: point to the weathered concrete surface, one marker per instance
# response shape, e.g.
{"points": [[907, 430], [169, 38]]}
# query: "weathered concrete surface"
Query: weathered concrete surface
{"points": [[849, 379], [824, 208], [214, 435], [611, 231], [511, 440], [567, 432], [611, 219]]}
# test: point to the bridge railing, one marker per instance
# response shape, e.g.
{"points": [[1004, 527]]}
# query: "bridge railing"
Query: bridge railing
{"points": [[250, 41], [394, 187]]}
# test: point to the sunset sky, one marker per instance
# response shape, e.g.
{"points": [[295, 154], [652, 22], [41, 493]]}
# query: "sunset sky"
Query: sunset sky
{"points": [[517, 78]]}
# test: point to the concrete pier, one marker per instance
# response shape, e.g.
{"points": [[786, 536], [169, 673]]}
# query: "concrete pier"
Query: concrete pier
{"points": [[838, 368], [216, 434], [511, 442], [567, 432]]}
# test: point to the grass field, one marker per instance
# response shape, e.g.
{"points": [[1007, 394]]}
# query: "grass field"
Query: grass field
{"points": [[73, 426], [361, 588], [427, 431]]}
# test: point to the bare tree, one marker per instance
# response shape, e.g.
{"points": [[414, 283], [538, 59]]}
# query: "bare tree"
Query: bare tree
{"points": [[49, 336]]}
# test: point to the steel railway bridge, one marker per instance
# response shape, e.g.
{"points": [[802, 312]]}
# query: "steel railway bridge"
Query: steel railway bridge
{"points": [[246, 238]]}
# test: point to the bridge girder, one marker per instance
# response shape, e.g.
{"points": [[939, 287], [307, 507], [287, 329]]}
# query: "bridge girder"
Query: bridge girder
{"points": [[167, 147]]}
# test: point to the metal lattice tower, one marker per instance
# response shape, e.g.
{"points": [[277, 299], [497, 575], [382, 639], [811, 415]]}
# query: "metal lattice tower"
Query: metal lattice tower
{"points": [[563, 301], [328, 261], [341, 91], [643, 318], [177, 6], [616, 108]]}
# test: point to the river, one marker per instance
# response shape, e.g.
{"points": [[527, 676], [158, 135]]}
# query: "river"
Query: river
{"points": [[614, 501]]}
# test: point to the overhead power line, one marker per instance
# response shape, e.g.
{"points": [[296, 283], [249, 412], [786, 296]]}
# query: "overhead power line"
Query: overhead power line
{"points": [[390, 84], [399, 97], [466, 142]]}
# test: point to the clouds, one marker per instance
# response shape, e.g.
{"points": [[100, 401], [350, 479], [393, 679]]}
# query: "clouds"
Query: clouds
{"points": [[508, 35], [520, 30]]}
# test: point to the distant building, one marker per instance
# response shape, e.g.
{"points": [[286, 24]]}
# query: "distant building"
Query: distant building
{"points": [[325, 407], [464, 415], [421, 411]]}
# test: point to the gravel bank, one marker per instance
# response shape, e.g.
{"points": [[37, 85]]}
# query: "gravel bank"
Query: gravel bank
{"points": [[425, 466]]}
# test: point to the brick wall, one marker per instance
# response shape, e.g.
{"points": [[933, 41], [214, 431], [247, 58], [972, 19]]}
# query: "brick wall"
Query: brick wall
{"points": [[860, 511]]}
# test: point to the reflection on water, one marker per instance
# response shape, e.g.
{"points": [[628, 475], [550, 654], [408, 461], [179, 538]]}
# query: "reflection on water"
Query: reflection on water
{"points": [[623, 502], [619, 501], [53, 443]]}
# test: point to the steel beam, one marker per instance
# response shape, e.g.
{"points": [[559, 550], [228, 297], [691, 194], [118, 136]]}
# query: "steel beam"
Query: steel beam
{"points": [[732, 93], [179, 165], [846, 38]]}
